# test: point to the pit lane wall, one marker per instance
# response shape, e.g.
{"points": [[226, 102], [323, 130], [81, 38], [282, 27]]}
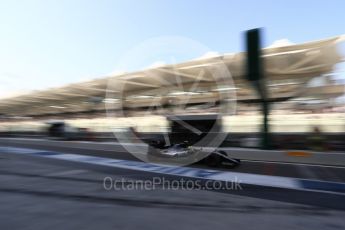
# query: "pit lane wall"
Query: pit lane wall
{"points": [[118, 150]]}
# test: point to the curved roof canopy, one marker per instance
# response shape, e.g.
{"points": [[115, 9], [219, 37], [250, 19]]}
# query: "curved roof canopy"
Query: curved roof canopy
{"points": [[287, 70]]}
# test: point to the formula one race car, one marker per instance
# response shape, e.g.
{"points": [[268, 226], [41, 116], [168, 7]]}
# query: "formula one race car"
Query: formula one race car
{"points": [[186, 143], [176, 151]]}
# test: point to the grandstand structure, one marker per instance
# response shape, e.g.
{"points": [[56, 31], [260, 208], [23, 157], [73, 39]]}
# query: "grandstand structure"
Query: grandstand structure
{"points": [[288, 70]]}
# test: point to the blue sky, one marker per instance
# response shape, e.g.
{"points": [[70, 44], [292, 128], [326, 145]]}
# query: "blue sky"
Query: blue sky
{"points": [[46, 43]]}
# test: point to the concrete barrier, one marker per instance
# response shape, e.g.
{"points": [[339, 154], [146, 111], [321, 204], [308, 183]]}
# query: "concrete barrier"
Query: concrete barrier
{"points": [[290, 156]]}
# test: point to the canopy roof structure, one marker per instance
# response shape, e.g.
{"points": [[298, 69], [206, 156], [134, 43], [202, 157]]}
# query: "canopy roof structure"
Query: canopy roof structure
{"points": [[287, 69]]}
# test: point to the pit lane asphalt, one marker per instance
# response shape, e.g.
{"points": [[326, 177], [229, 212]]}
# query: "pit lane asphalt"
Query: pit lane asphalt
{"points": [[44, 194]]}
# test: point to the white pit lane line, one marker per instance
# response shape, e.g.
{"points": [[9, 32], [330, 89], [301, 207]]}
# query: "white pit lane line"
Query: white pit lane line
{"points": [[205, 174]]}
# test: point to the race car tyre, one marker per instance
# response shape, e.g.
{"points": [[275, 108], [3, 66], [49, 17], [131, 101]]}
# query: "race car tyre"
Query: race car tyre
{"points": [[213, 160]]}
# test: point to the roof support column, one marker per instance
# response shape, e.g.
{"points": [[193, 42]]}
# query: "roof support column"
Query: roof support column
{"points": [[255, 75]]}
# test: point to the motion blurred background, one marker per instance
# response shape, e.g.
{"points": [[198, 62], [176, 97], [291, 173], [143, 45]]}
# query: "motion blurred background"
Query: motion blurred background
{"points": [[51, 52]]}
